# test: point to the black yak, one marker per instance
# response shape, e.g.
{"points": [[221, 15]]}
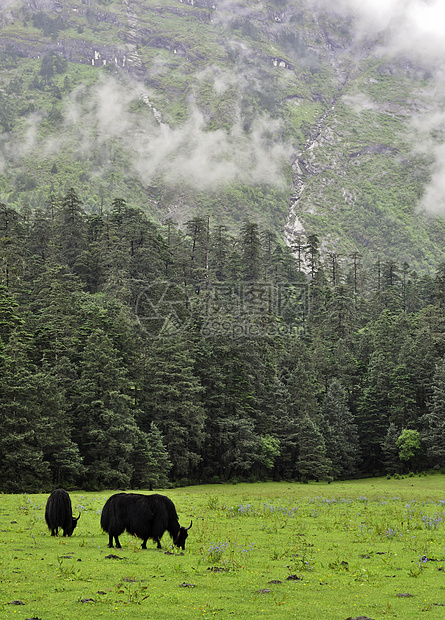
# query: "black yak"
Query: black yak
{"points": [[58, 513], [145, 516]]}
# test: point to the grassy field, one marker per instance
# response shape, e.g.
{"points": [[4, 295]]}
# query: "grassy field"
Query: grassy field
{"points": [[373, 548]]}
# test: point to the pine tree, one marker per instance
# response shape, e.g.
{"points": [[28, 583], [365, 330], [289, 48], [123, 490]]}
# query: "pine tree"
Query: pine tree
{"points": [[251, 251], [105, 427], [340, 312], [23, 467], [242, 455], [150, 460], [12, 259], [90, 264], [312, 253], [54, 303], [173, 402], [433, 433], [70, 228], [59, 450], [10, 318], [402, 398], [340, 432], [373, 422], [198, 259], [390, 450], [221, 244], [374, 405], [313, 462], [301, 381]]}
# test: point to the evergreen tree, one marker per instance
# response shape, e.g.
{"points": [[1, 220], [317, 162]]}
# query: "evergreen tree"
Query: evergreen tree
{"points": [[53, 305], [301, 380], [313, 462], [235, 419], [298, 247], [374, 405], [391, 451], [150, 460], [440, 285], [90, 264], [70, 227], [312, 254], [12, 259], [23, 467], [419, 353], [198, 263], [242, 455], [173, 401], [220, 248], [41, 233], [340, 432], [372, 416], [340, 312], [402, 398], [251, 252], [433, 433], [10, 318], [58, 447], [105, 427]]}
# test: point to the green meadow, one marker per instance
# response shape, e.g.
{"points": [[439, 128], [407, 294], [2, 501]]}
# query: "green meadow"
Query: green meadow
{"points": [[373, 548]]}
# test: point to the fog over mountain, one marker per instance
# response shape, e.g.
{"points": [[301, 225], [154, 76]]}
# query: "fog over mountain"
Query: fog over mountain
{"points": [[312, 115], [412, 29]]}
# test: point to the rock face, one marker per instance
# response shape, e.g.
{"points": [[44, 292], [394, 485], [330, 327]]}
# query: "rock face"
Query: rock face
{"points": [[237, 69]]}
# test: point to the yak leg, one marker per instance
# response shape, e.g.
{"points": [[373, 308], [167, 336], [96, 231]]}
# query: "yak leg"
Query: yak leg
{"points": [[158, 541], [144, 543], [54, 531], [110, 541]]}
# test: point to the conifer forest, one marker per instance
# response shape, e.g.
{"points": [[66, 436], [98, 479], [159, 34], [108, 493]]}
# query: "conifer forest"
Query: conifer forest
{"points": [[137, 355]]}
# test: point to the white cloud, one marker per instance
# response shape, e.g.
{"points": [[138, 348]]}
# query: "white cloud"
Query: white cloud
{"points": [[359, 102], [414, 30], [411, 27], [188, 154]]}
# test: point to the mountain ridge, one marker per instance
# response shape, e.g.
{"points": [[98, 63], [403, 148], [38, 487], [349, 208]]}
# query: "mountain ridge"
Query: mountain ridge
{"points": [[271, 111]]}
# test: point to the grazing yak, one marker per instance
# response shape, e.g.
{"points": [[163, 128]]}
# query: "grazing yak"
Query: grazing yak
{"points": [[145, 516], [58, 513]]}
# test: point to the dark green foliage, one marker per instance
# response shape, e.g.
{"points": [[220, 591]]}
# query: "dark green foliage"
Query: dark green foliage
{"points": [[103, 420], [391, 451], [50, 26], [22, 464], [173, 402], [9, 317], [340, 432], [135, 356], [433, 434], [150, 460], [313, 462], [145, 354], [36, 449], [70, 228]]}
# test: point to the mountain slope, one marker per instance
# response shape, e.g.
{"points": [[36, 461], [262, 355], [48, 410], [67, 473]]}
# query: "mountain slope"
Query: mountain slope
{"points": [[275, 111]]}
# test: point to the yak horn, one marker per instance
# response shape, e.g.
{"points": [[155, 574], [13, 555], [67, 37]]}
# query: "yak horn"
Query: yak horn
{"points": [[191, 523]]}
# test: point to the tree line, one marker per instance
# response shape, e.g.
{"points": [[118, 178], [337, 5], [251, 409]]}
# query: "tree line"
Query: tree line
{"points": [[134, 354]]}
